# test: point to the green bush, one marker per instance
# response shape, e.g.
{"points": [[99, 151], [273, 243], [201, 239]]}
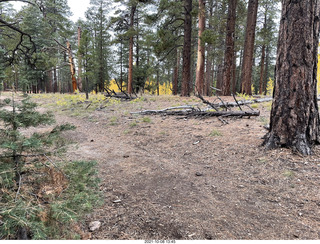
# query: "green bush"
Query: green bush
{"points": [[39, 199]]}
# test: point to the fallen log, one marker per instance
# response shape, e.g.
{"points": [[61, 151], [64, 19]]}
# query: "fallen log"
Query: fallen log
{"points": [[199, 113]]}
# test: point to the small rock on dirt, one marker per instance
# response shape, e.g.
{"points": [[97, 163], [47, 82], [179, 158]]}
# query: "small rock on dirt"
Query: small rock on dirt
{"points": [[94, 225], [199, 174]]}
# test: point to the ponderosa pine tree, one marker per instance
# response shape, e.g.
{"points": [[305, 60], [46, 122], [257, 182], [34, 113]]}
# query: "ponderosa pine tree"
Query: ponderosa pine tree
{"points": [[86, 51], [266, 40], [186, 74], [131, 43], [201, 50], [229, 49], [120, 27], [294, 120], [247, 62], [96, 16], [209, 57], [169, 39]]}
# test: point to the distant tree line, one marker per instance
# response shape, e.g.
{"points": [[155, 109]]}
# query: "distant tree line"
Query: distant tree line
{"points": [[228, 45]]}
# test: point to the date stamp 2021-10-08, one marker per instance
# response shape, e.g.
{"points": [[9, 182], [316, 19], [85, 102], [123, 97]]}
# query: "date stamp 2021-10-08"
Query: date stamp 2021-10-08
{"points": [[160, 241]]}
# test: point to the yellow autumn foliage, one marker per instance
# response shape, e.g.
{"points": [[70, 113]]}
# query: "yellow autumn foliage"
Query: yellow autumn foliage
{"points": [[113, 86], [270, 85], [150, 87], [164, 89]]}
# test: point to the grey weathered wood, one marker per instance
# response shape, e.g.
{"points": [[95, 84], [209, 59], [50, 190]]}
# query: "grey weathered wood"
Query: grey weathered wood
{"points": [[198, 113]]}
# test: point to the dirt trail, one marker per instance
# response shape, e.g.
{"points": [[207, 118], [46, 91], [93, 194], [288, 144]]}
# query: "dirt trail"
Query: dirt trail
{"points": [[169, 178]]}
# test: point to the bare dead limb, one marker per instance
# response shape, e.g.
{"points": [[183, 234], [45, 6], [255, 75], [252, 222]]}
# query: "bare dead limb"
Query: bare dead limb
{"points": [[120, 88], [223, 121], [249, 107], [216, 89], [28, 51], [224, 105], [239, 103], [206, 102], [122, 95], [18, 191], [55, 166], [234, 97]]}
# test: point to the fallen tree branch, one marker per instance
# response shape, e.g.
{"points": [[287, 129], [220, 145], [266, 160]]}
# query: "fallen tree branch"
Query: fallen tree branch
{"points": [[164, 110], [207, 102], [122, 95], [239, 103], [234, 97], [196, 113]]}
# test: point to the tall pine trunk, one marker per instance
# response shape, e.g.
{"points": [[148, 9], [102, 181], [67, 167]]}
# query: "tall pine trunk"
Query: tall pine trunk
{"points": [[229, 50], [294, 121], [262, 81], [201, 50], [266, 72], [55, 81], [121, 64], [234, 74], [131, 42], [209, 72], [209, 62], [176, 73], [246, 71], [186, 74], [79, 61]]}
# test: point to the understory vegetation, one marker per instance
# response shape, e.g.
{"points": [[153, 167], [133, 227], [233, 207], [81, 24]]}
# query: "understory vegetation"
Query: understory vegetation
{"points": [[40, 198]]}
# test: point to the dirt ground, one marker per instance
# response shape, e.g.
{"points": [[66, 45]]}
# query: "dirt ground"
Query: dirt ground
{"points": [[167, 177]]}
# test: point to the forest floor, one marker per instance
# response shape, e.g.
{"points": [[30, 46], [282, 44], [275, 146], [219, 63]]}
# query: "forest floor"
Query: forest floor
{"points": [[167, 177]]}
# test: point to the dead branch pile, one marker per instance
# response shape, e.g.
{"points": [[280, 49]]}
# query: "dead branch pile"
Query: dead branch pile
{"points": [[122, 95], [198, 113], [191, 111]]}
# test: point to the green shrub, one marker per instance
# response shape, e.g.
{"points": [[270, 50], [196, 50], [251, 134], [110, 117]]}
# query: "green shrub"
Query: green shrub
{"points": [[146, 120], [215, 133], [50, 199]]}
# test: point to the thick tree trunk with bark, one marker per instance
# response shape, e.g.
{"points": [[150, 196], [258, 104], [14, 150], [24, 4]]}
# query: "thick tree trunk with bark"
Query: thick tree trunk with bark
{"points": [[201, 50], [294, 119], [229, 50], [246, 71], [130, 71], [209, 61], [186, 74]]}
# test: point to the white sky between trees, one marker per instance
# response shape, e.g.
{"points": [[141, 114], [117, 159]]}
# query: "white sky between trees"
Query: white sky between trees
{"points": [[77, 7]]}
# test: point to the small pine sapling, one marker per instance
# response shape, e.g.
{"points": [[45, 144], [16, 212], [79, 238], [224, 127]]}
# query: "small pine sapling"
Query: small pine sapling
{"points": [[15, 147]]}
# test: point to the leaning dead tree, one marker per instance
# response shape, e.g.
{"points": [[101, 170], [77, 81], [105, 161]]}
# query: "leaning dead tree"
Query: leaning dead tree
{"points": [[71, 63]]}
